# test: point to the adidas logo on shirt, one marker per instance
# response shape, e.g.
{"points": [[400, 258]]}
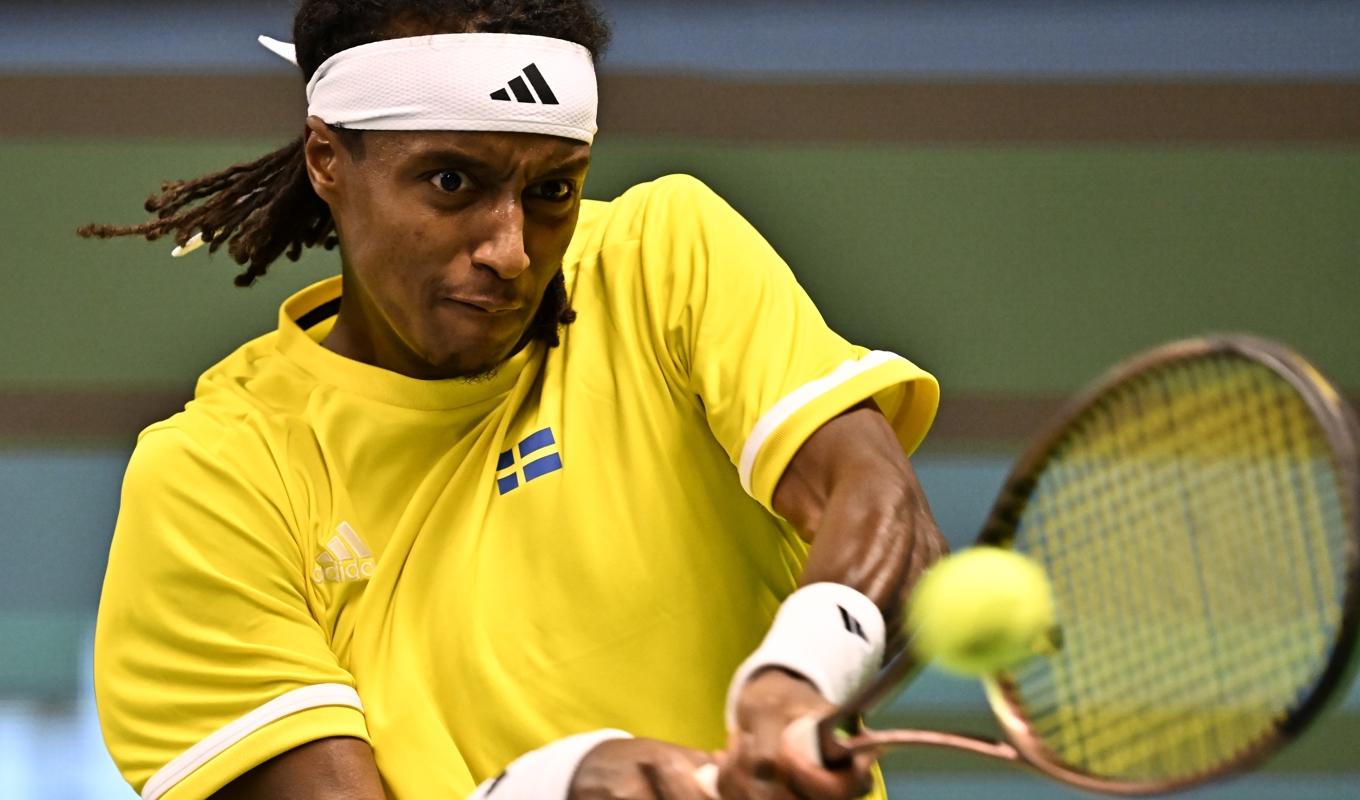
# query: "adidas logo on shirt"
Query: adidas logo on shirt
{"points": [[346, 559], [520, 89]]}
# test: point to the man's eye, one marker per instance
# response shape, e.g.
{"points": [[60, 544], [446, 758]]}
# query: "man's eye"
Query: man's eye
{"points": [[449, 180], [554, 191]]}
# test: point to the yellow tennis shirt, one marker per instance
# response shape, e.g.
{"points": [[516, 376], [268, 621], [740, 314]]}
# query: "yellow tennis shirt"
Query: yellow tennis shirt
{"points": [[460, 571]]}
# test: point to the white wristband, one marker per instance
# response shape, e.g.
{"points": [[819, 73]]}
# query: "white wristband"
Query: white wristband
{"points": [[545, 773], [826, 632]]}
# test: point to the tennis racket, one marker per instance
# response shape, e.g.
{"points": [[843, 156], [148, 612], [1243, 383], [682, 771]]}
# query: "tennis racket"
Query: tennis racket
{"points": [[1196, 512]]}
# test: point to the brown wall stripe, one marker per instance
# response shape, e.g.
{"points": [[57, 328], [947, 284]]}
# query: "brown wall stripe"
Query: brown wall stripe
{"points": [[92, 416], [978, 112], [78, 416]]}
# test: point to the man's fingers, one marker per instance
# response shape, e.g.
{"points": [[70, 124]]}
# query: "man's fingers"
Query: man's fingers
{"points": [[640, 769], [842, 784], [751, 773], [810, 778], [864, 765], [675, 781], [734, 784], [652, 774], [772, 755], [707, 776], [791, 775]]}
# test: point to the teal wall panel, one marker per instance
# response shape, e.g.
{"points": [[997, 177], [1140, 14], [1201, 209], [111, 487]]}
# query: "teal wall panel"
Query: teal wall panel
{"points": [[61, 508]]}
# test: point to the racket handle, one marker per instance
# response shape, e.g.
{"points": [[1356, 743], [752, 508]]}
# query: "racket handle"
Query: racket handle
{"points": [[707, 777]]}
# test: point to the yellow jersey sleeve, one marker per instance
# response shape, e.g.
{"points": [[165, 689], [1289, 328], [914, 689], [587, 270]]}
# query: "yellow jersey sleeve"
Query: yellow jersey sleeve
{"points": [[739, 331], [207, 658]]}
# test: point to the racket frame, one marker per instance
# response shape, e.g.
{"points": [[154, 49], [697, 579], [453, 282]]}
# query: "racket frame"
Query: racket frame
{"points": [[838, 736], [1342, 432]]}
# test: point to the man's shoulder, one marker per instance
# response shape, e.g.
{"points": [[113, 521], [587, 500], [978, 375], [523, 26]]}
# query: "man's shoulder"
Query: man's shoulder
{"points": [[246, 397], [667, 205], [674, 185]]}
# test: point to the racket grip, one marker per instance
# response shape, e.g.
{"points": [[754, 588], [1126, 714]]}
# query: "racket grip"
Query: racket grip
{"points": [[707, 777]]}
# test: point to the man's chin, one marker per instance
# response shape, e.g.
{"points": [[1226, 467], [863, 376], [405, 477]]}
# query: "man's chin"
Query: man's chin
{"points": [[475, 374], [461, 367], [456, 368]]}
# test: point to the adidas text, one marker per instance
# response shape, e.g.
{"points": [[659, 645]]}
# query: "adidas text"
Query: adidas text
{"points": [[345, 559]]}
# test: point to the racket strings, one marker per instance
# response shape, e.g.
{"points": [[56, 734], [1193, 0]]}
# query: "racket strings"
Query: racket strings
{"points": [[1193, 527]]}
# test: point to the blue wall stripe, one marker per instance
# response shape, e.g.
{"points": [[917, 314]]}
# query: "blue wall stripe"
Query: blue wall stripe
{"points": [[1167, 38]]}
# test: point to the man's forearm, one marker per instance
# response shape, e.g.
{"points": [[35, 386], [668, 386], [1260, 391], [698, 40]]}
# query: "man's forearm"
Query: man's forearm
{"points": [[851, 492], [867, 536]]}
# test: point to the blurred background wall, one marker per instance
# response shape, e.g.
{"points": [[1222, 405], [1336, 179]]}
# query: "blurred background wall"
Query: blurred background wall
{"points": [[1015, 195]]}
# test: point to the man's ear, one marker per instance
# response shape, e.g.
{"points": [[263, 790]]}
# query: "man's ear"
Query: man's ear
{"points": [[322, 152]]}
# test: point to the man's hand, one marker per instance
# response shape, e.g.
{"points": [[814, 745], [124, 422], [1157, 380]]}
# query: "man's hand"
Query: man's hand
{"points": [[639, 769], [759, 763]]}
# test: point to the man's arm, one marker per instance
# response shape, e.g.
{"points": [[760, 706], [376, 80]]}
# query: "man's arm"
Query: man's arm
{"points": [[344, 769], [338, 768], [851, 493]]}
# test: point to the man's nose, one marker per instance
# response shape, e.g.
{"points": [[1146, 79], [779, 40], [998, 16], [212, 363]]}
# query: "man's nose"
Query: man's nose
{"points": [[502, 247]]}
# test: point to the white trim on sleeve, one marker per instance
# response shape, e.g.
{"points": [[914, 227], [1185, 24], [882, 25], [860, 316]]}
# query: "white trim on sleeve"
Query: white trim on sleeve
{"points": [[791, 403], [217, 742]]}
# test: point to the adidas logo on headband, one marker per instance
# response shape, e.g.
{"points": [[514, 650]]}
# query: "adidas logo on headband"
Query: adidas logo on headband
{"points": [[421, 83], [521, 90]]}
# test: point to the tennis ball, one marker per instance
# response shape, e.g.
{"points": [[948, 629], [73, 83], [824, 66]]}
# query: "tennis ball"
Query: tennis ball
{"points": [[981, 611]]}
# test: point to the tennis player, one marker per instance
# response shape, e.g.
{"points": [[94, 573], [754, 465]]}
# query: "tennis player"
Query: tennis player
{"points": [[539, 498]]}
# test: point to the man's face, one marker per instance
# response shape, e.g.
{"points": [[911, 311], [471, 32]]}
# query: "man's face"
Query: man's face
{"points": [[449, 241]]}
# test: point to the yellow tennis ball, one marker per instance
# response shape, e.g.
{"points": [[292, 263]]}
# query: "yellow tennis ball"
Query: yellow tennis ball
{"points": [[981, 611]]}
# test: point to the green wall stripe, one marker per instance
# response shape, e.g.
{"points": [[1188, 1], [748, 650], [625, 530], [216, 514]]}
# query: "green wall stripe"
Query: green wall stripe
{"points": [[1018, 271]]}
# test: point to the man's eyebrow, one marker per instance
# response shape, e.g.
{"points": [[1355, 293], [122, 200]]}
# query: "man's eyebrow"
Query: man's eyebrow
{"points": [[459, 158], [449, 156], [573, 163]]}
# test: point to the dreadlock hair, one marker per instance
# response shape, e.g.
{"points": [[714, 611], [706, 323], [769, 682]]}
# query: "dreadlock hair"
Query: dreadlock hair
{"points": [[266, 208]]}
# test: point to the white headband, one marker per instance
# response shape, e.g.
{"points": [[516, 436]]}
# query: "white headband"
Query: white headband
{"points": [[456, 82]]}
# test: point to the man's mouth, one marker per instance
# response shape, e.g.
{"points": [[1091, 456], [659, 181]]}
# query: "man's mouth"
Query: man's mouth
{"points": [[488, 305]]}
